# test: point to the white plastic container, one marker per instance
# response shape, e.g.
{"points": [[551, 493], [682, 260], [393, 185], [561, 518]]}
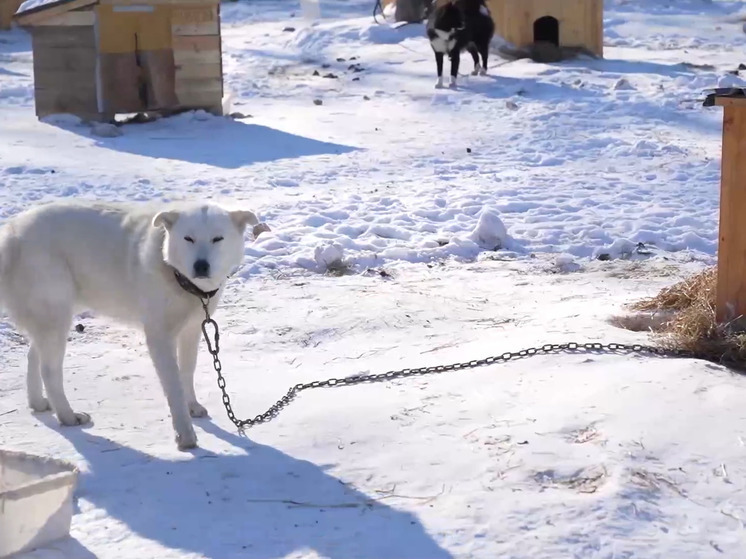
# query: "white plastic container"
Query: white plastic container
{"points": [[36, 501]]}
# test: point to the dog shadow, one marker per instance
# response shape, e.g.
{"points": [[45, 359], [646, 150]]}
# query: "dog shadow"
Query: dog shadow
{"points": [[255, 504]]}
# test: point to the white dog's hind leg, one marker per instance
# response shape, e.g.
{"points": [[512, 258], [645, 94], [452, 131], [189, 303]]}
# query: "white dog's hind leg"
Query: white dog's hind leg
{"points": [[189, 339], [50, 342], [162, 349], [34, 386]]}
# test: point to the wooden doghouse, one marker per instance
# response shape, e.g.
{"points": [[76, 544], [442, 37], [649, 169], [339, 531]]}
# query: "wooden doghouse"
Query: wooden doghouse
{"points": [[97, 58], [730, 290], [571, 24]]}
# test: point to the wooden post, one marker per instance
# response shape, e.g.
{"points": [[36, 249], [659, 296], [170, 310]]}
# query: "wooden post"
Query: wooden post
{"points": [[730, 296]]}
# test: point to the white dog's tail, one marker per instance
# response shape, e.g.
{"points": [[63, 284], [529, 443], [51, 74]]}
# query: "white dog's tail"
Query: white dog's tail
{"points": [[4, 257], [3, 250], [7, 246]]}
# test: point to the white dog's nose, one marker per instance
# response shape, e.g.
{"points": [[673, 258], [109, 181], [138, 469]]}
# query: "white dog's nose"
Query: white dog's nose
{"points": [[201, 269]]}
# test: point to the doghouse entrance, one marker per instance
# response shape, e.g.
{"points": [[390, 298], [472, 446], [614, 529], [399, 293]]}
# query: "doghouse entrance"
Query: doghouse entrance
{"points": [[546, 30]]}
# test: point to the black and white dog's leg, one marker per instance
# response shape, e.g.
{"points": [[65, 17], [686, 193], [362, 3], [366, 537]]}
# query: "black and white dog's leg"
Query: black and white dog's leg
{"points": [[455, 59], [439, 65], [475, 55], [485, 51]]}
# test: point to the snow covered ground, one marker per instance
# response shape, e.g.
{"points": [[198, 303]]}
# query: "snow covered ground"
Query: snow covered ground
{"points": [[593, 456]]}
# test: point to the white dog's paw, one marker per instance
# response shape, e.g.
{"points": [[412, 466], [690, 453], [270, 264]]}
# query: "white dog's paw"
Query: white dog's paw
{"points": [[197, 410], [186, 441], [39, 405], [77, 418]]}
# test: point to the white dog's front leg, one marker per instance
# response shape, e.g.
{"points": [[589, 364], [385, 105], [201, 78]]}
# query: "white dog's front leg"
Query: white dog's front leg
{"points": [[34, 385], [188, 348], [162, 349]]}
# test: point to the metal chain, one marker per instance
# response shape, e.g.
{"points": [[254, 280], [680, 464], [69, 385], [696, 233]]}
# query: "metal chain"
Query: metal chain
{"points": [[571, 347]]}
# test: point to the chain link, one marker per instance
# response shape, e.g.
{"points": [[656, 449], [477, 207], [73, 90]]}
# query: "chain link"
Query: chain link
{"points": [[213, 346]]}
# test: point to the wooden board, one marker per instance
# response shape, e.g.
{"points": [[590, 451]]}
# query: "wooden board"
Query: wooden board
{"points": [[197, 48], [32, 18], [70, 19], [119, 79], [730, 101], [200, 99], [78, 99], [184, 58], [63, 49], [62, 37], [196, 43], [61, 78], [199, 92], [731, 279], [186, 29], [199, 71], [160, 75], [195, 20], [201, 84], [64, 59]]}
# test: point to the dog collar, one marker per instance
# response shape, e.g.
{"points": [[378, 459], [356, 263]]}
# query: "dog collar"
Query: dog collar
{"points": [[192, 289]]}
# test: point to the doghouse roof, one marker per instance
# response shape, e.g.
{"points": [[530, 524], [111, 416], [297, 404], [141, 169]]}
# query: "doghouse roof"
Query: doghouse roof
{"points": [[55, 7], [726, 96], [34, 11]]}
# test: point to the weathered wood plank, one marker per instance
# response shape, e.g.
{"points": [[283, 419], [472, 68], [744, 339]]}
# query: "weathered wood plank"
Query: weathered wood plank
{"points": [[197, 85], [80, 100], [69, 59], [61, 78], [62, 37], [184, 58], [199, 71], [187, 29], [34, 17], [200, 98], [119, 81], [730, 101], [70, 19], [187, 14], [160, 76], [196, 43]]}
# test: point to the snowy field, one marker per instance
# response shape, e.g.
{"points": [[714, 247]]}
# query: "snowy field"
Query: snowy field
{"points": [[400, 186]]}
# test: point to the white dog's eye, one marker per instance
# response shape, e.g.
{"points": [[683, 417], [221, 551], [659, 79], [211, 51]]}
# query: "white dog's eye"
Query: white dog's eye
{"points": [[217, 239], [189, 240]]}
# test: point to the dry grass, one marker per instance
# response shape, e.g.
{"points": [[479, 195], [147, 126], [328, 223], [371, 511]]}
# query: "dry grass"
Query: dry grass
{"points": [[690, 325]]}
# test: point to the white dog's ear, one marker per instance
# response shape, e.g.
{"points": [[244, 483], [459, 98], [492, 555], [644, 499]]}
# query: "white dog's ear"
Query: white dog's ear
{"points": [[165, 219], [242, 218]]}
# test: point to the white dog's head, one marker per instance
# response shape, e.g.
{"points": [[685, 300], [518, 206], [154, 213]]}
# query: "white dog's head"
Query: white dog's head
{"points": [[204, 243]]}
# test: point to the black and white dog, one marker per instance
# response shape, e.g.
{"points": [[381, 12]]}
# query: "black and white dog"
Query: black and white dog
{"points": [[457, 25]]}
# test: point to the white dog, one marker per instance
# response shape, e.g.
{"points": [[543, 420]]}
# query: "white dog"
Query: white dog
{"points": [[132, 263]]}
